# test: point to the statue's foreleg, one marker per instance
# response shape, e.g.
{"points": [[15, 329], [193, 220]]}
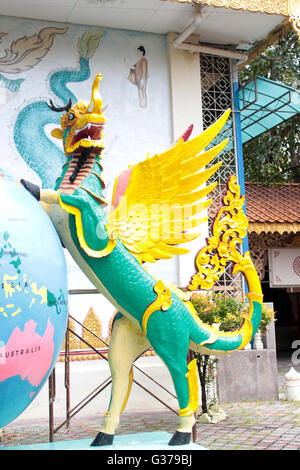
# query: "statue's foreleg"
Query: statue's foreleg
{"points": [[126, 344]]}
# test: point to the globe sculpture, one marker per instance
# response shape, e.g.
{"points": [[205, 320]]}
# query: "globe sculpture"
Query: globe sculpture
{"points": [[33, 298]]}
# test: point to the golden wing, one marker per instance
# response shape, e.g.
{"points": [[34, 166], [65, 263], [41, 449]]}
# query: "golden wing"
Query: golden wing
{"points": [[162, 197]]}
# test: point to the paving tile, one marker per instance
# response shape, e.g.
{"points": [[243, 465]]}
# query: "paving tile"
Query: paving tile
{"points": [[274, 448], [249, 426], [291, 448], [286, 438]]}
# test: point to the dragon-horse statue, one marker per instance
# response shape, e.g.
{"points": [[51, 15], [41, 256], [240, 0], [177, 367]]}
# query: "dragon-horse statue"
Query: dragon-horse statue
{"points": [[152, 209]]}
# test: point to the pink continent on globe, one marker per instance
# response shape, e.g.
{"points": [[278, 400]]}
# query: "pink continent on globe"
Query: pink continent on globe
{"points": [[27, 353]]}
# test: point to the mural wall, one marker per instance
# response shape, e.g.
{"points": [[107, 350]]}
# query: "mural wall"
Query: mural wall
{"points": [[43, 60]]}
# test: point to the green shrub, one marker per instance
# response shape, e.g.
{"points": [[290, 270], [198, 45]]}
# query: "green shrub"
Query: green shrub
{"points": [[228, 313]]}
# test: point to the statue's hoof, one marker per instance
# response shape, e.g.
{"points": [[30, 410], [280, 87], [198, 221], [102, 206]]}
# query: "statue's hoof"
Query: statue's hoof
{"points": [[103, 439], [180, 438]]}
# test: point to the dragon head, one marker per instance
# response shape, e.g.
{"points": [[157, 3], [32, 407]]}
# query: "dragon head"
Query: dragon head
{"points": [[82, 124]]}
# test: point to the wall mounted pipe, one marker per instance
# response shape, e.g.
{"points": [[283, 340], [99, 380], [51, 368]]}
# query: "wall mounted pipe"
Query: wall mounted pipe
{"points": [[191, 28], [213, 50]]}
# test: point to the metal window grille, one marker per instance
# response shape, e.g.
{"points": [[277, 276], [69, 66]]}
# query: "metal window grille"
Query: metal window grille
{"points": [[217, 97]]}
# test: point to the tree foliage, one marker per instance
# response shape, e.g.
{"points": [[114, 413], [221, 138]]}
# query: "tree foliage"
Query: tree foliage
{"points": [[275, 155]]}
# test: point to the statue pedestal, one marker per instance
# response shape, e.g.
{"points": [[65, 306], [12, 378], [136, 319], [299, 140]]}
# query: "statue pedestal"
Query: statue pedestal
{"points": [[141, 441]]}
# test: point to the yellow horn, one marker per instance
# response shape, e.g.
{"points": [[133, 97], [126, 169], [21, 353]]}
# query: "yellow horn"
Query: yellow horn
{"points": [[96, 101]]}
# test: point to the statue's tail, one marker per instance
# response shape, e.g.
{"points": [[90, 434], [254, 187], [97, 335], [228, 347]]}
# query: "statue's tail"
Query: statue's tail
{"points": [[229, 228]]}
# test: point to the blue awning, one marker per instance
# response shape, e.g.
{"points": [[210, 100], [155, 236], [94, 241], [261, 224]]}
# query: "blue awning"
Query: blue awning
{"points": [[264, 104]]}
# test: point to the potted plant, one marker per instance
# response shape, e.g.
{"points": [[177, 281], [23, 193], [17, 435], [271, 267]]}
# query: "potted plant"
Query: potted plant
{"points": [[227, 312]]}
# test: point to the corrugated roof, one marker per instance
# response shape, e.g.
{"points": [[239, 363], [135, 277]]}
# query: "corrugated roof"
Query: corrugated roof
{"points": [[265, 104]]}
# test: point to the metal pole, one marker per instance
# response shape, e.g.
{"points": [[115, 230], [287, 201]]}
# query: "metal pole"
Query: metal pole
{"points": [[84, 402], [51, 381], [134, 365], [154, 396], [67, 377]]}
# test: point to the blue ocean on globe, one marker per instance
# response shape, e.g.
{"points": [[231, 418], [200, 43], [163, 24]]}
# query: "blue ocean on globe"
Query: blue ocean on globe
{"points": [[33, 298]]}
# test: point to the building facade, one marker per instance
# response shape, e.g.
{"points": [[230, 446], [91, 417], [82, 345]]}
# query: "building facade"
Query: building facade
{"points": [[188, 54]]}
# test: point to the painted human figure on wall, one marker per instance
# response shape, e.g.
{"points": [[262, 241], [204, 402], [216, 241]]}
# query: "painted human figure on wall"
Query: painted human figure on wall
{"points": [[138, 76]]}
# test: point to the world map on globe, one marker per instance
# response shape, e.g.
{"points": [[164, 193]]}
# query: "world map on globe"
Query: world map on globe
{"points": [[33, 298]]}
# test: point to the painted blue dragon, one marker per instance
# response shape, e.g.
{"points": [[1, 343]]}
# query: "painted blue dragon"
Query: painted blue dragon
{"points": [[29, 129]]}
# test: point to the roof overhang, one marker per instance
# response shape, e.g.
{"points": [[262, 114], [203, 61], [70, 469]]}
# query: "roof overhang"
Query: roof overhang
{"points": [[239, 25], [273, 227], [265, 104], [279, 7], [274, 208], [288, 8]]}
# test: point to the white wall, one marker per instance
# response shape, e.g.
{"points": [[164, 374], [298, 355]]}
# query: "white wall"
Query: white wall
{"points": [[131, 132], [186, 109]]}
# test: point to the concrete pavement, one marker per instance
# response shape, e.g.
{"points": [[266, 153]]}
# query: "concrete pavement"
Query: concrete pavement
{"points": [[249, 425]]}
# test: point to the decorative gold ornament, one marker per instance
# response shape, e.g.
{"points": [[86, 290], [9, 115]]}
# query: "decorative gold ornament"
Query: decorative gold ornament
{"points": [[192, 378], [294, 14], [279, 7], [162, 302], [93, 323], [128, 390], [229, 227]]}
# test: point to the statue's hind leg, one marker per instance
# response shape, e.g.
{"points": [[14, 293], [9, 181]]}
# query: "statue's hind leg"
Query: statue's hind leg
{"points": [[185, 379], [172, 345], [126, 344]]}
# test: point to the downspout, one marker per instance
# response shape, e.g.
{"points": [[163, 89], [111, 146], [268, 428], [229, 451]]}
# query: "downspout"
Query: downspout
{"points": [[190, 29], [179, 43]]}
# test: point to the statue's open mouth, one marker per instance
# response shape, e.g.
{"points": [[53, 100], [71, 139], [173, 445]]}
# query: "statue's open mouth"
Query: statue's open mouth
{"points": [[87, 136], [83, 144], [80, 166]]}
